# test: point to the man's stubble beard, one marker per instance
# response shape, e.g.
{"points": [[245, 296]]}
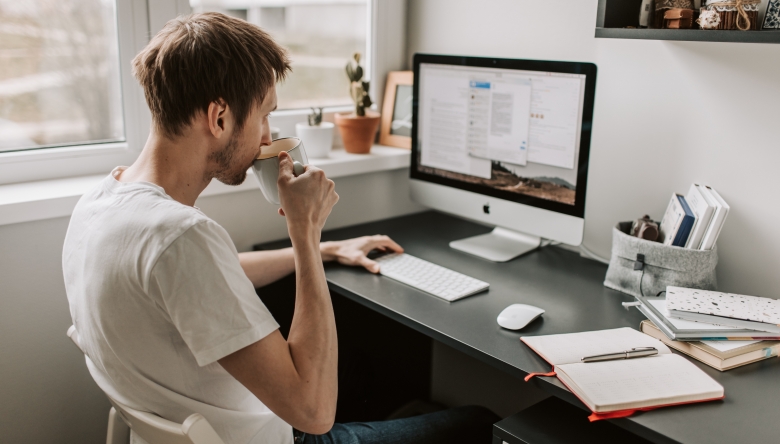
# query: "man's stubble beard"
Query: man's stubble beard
{"points": [[224, 159]]}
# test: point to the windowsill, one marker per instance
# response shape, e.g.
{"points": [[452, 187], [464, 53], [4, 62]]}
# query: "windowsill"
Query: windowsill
{"points": [[48, 199]]}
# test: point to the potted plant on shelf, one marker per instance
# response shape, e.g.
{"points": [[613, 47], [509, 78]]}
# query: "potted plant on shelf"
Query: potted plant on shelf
{"points": [[317, 136], [358, 129]]}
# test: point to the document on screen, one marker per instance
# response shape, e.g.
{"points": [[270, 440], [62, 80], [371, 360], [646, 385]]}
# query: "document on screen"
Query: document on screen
{"points": [[499, 113], [445, 111], [555, 109]]}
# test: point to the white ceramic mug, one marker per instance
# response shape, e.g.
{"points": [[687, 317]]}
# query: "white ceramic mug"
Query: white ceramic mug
{"points": [[266, 165]]}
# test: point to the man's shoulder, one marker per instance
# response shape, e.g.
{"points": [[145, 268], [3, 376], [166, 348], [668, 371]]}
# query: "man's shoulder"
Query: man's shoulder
{"points": [[141, 214]]}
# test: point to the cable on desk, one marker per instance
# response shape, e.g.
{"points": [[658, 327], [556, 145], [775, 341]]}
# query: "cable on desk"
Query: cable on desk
{"points": [[587, 253]]}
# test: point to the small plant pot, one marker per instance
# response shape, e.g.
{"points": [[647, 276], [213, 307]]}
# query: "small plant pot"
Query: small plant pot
{"points": [[358, 132], [318, 140]]}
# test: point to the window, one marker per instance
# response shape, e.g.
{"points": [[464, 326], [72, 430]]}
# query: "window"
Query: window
{"points": [[69, 105], [321, 36], [59, 74]]}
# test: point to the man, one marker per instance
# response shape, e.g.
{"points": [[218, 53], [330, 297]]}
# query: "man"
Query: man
{"points": [[165, 305]]}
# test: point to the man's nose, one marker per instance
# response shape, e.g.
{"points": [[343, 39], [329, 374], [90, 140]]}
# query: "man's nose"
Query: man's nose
{"points": [[266, 138]]}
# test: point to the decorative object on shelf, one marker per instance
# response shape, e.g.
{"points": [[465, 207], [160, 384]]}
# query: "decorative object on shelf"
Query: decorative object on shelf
{"points": [[645, 228], [396, 128], [358, 129], [736, 14], [645, 12], [708, 19], [617, 17], [316, 134], [772, 16], [677, 18], [661, 6], [315, 118]]}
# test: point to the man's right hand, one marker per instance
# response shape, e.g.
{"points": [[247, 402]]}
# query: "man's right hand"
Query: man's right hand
{"points": [[308, 199]]}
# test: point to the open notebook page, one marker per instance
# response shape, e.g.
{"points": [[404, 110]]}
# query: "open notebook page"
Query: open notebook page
{"points": [[572, 347], [642, 382]]}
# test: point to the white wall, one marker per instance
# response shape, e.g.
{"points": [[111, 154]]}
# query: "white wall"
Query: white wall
{"points": [[666, 114], [46, 392]]}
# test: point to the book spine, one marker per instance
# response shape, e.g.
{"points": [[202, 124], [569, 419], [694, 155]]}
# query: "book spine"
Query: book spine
{"points": [[684, 231], [713, 231], [671, 221], [703, 209]]}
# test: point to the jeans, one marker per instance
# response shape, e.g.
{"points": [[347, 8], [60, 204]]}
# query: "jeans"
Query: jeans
{"points": [[460, 425]]}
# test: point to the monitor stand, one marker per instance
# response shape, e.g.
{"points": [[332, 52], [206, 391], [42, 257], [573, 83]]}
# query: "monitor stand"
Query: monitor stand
{"points": [[500, 245]]}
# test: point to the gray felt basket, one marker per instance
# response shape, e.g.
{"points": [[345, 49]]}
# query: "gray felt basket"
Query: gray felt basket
{"points": [[643, 268]]}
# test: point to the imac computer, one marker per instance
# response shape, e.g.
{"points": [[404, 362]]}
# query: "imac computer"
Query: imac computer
{"points": [[506, 143]]}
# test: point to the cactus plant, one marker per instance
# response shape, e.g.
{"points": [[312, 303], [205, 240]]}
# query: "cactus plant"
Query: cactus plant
{"points": [[358, 89], [315, 118]]}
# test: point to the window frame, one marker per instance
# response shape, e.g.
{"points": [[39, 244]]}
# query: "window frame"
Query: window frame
{"points": [[387, 37], [136, 21], [91, 158]]}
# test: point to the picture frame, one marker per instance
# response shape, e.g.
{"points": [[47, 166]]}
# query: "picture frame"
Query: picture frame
{"points": [[771, 16], [396, 127]]}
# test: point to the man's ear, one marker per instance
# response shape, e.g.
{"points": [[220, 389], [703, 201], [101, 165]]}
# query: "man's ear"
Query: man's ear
{"points": [[217, 115]]}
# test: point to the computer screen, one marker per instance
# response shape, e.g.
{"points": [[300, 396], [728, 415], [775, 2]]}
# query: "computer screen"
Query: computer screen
{"points": [[518, 130]]}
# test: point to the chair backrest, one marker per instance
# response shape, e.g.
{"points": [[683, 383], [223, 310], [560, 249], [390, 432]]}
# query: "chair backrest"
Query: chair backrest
{"points": [[153, 429]]}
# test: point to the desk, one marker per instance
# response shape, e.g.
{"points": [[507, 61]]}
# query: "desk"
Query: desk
{"points": [[570, 288]]}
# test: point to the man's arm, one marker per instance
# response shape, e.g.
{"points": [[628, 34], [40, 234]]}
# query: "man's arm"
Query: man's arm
{"points": [[264, 267], [297, 378]]}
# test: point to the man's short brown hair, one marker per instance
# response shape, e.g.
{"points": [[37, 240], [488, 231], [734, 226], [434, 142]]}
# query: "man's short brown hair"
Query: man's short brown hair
{"points": [[203, 58]]}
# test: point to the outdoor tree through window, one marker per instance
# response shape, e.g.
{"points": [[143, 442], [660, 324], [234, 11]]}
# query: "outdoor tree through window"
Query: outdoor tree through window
{"points": [[59, 74], [321, 36]]}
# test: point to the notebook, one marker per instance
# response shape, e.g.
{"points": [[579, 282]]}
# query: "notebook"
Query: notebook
{"points": [[724, 308], [721, 355], [677, 222], [616, 389], [703, 208], [682, 330]]}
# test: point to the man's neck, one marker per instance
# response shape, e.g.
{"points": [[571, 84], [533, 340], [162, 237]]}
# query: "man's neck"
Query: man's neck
{"points": [[178, 166]]}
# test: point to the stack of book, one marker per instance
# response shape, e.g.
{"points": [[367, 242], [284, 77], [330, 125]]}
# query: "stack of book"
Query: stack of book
{"points": [[722, 330], [694, 220]]}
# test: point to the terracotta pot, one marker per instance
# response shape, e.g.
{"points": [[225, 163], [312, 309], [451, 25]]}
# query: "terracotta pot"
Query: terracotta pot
{"points": [[357, 132]]}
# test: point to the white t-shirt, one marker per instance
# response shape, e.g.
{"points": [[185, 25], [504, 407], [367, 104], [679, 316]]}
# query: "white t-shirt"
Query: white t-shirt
{"points": [[157, 295]]}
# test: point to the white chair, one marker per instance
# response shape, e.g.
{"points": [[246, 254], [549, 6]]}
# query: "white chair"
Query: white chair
{"points": [[148, 428]]}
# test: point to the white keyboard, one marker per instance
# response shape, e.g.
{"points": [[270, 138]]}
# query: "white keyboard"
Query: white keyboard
{"points": [[430, 278]]}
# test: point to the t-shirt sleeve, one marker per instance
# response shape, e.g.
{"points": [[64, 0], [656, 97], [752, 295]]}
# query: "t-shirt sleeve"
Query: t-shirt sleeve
{"points": [[211, 302]]}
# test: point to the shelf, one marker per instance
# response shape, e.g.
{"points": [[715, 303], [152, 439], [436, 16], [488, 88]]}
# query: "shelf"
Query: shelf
{"points": [[31, 201], [690, 35]]}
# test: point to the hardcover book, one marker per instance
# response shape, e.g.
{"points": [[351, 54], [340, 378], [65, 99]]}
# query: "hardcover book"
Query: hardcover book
{"points": [[683, 330], [703, 208], [721, 355], [724, 308], [677, 222]]}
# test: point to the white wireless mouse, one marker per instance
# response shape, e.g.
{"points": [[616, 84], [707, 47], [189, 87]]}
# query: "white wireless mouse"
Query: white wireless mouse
{"points": [[517, 316]]}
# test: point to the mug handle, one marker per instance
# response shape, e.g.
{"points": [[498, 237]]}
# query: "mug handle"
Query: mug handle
{"points": [[298, 168]]}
